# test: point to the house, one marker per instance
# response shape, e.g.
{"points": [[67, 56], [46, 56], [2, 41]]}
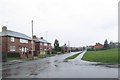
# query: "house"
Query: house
{"points": [[114, 44], [42, 46], [15, 43], [98, 46], [65, 48], [90, 47]]}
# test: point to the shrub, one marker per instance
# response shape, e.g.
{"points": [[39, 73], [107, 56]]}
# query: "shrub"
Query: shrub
{"points": [[54, 52], [4, 57], [12, 54]]}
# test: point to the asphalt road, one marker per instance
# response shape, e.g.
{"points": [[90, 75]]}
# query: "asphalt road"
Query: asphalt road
{"points": [[55, 67]]}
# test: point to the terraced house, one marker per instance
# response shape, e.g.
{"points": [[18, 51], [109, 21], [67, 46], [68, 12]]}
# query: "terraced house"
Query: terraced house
{"points": [[41, 46], [15, 43]]}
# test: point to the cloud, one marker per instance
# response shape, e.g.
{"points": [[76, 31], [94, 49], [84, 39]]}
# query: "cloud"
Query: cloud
{"points": [[81, 22]]}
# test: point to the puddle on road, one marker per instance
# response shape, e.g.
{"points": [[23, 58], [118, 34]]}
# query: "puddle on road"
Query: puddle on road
{"points": [[34, 73], [8, 72], [48, 62], [57, 67], [109, 65]]}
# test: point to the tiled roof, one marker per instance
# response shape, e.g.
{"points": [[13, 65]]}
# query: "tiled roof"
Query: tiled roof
{"points": [[14, 34], [40, 40]]}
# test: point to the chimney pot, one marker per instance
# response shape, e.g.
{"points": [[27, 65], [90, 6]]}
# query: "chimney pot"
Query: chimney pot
{"points": [[34, 36], [4, 28], [41, 37]]}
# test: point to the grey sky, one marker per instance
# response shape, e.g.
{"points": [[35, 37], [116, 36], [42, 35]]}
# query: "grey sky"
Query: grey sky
{"points": [[82, 22]]}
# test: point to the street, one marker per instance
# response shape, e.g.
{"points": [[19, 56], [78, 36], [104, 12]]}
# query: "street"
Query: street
{"points": [[55, 67]]}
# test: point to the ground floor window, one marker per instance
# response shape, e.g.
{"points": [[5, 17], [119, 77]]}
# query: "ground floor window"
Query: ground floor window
{"points": [[12, 48], [23, 49]]}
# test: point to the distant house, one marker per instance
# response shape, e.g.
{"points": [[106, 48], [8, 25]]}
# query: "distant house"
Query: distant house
{"points": [[114, 44], [80, 48], [98, 46], [65, 48], [15, 42], [90, 47], [41, 45]]}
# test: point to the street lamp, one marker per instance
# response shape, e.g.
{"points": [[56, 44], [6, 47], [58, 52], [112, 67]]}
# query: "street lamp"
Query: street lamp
{"points": [[32, 40]]}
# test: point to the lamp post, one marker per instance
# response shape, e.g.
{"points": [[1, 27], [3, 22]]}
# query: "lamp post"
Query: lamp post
{"points": [[69, 46], [32, 40]]}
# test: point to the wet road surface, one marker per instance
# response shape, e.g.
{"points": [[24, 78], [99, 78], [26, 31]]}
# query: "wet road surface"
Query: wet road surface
{"points": [[55, 67]]}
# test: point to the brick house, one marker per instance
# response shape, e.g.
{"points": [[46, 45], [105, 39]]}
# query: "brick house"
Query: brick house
{"points": [[15, 42], [65, 48], [41, 45], [98, 46]]}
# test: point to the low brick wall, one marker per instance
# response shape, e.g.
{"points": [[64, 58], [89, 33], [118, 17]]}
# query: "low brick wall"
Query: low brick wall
{"points": [[28, 55], [22, 55]]}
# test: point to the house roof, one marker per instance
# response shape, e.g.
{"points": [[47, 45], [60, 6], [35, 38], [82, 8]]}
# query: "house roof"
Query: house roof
{"points": [[98, 44], [14, 34], [65, 46], [40, 40]]}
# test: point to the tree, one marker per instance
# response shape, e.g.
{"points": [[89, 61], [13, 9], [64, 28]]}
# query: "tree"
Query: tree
{"points": [[56, 45], [106, 45]]}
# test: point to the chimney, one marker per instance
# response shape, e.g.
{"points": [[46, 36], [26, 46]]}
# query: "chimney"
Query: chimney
{"points": [[41, 37], [34, 36], [4, 28]]}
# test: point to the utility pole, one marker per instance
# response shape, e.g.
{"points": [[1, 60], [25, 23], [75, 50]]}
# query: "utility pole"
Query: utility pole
{"points": [[32, 40], [69, 46]]}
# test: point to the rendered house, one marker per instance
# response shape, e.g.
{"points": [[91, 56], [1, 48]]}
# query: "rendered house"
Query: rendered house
{"points": [[15, 42], [41, 45]]}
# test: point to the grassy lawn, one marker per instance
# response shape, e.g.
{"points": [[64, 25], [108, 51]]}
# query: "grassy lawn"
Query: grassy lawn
{"points": [[107, 56], [72, 57], [13, 58]]}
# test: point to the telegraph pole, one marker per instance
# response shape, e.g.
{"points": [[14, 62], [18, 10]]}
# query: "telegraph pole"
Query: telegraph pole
{"points": [[69, 46], [32, 40]]}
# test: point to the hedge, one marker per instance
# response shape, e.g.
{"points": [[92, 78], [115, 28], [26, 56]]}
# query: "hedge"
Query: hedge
{"points": [[13, 54]]}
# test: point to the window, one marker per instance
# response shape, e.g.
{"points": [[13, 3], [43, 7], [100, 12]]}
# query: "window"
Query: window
{"points": [[23, 41], [45, 44], [23, 49], [12, 39], [12, 48], [41, 43], [20, 48]]}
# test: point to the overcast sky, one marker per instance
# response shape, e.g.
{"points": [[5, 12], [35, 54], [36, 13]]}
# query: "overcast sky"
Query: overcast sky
{"points": [[82, 22]]}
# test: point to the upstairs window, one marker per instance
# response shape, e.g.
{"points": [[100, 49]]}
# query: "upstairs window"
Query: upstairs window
{"points": [[45, 44], [23, 41], [12, 39]]}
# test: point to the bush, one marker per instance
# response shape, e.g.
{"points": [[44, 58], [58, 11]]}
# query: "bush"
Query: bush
{"points": [[4, 57], [42, 56], [54, 52], [13, 54], [48, 52]]}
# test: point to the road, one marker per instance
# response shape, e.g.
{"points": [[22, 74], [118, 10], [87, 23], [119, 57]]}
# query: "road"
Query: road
{"points": [[55, 67]]}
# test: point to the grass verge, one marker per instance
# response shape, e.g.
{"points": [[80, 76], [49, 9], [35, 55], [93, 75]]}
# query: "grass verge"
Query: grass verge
{"points": [[72, 57], [13, 58], [105, 56]]}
